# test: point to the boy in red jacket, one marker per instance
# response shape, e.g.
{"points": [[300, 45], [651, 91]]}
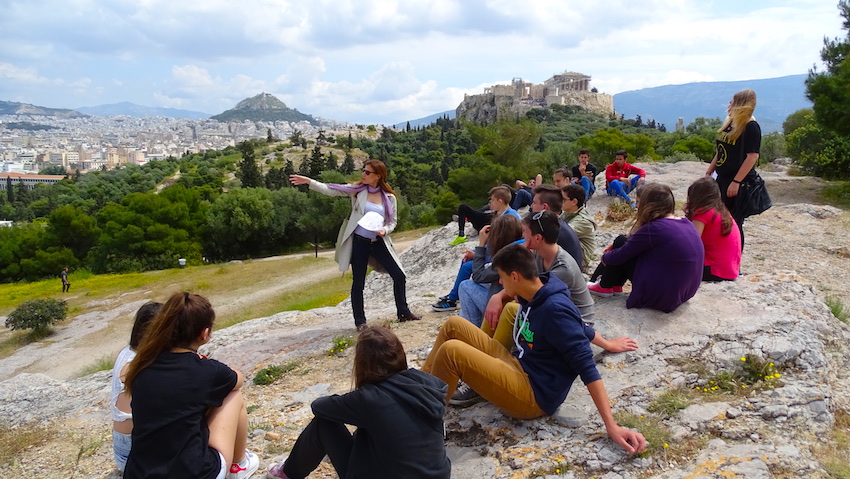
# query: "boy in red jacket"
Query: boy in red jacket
{"points": [[617, 177]]}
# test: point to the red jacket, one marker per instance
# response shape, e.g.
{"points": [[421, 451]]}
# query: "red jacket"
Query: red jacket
{"points": [[613, 173]]}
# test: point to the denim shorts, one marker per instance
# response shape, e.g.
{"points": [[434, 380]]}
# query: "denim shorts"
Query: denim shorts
{"points": [[121, 448]]}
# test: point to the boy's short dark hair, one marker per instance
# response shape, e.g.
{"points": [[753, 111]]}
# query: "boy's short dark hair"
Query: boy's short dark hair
{"points": [[575, 191], [501, 192], [516, 258], [565, 173], [623, 153], [544, 223], [584, 151], [550, 195]]}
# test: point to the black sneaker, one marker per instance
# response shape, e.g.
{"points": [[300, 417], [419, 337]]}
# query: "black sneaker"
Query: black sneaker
{"points": [[444, 305], [408, 316], [465, 396]]}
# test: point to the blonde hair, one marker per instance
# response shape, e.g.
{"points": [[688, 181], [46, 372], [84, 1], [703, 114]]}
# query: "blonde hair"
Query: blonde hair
{"points": [[740, 113]]}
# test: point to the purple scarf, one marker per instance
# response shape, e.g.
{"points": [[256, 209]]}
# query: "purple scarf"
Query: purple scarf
{"points": [[354, 189]]}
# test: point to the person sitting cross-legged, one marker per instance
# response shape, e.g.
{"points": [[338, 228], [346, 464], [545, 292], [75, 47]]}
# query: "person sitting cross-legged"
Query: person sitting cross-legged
{"points": [[552, 350]]}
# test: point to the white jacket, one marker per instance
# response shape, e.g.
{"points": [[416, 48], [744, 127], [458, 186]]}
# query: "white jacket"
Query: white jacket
{"points": [[346, 232]]}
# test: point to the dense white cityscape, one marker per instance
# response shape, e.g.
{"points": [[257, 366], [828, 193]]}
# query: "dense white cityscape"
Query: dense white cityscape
{"points": [[92, 143]]}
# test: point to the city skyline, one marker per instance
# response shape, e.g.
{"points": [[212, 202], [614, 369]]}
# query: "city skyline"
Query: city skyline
{"points": [[384, 62]]}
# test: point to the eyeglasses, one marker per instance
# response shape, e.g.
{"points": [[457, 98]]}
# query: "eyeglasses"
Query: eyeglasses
{"points": [[367, 172], [536, 218]]}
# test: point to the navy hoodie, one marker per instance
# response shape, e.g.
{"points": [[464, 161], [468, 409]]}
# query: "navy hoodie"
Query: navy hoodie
{"points": [[399, 426], [553, 344]]}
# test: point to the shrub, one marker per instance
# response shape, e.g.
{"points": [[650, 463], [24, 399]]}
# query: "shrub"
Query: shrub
{"points": [[37, 314], [270, 374]]}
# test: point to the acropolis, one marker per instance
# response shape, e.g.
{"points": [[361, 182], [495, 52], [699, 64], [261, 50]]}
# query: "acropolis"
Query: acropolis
{"points": [[567, 88]]}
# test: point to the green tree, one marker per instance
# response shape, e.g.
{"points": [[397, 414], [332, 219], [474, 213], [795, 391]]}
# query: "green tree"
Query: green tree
{"points": [[828, 90], [249, 173], [347, 166], [70, 227], [37, 314], [796, 120], [53, 170]]}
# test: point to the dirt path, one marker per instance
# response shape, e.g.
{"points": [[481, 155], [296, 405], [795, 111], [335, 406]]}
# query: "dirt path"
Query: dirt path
{"points": [[100, 334]]}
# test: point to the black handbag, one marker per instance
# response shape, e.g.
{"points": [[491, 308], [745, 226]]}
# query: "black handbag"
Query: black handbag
{"points": [[752, 198]]}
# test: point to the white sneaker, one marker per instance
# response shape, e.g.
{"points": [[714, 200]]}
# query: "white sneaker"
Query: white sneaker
{"points": [[245, 469]]}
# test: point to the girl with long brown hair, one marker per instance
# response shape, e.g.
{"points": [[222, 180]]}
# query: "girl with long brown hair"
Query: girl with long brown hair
{"points": [[189, 417], [717, 229], [398, 413], [364, 240], [662, 256], [737, 148], [484, 281]]}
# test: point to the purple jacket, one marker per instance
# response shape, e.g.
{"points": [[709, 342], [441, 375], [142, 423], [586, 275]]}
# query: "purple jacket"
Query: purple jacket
{"points": [[668, 259]]}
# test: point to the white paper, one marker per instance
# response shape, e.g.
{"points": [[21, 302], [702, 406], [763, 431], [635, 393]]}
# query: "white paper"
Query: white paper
{"points": [[372, 221]]}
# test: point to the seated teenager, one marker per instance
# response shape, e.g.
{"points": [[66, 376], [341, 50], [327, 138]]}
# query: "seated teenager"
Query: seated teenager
{"points": [[579, 219], [122, 415], [717, 229], [548, 197], [523, 194], [584, 173], [617, 177], [398, 413], [552, 350], [662, 256], [484, 281], [500, 199], [540, 231], [189, 417]]}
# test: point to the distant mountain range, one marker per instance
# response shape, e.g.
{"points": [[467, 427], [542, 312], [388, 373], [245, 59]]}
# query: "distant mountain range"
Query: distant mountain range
{"points": [[131, 109], [426, 120], [777, 98], [263, 107], [13, 108]]}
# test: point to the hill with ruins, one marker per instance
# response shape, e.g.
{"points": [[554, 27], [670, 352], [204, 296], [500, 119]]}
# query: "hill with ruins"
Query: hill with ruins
{"points": [[509, 101]]}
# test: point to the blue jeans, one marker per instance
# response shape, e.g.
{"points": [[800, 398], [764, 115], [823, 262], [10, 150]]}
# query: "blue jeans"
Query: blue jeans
{"points": [[523, 197], [589, 187], [622, 188], [121, 444], [473, 301], [464, 272]]}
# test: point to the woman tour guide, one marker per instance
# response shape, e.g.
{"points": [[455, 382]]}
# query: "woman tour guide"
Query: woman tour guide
{"points": [[364, 238]]}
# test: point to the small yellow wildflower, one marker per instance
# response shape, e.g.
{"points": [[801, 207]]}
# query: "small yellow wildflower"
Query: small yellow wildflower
{"points": [[666, 445], [776, 375], [744, 359]]}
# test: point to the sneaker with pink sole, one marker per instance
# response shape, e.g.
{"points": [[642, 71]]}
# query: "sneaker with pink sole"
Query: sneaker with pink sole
{"points": [[276, 471], [597, 290]]}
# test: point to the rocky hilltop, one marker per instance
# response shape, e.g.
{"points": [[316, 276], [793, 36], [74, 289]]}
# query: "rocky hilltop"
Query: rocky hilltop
{"points": [[26, 109], [515, 100], [263, 107], [774, 313]]}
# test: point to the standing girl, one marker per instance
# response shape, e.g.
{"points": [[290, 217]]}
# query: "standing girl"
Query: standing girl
{"points": [[189, 418], [736, 151], [398, 413], [717, 229], [369, 243]]}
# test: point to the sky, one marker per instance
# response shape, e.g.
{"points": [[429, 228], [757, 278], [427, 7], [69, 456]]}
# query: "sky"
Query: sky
{"points": [[383, 61]]}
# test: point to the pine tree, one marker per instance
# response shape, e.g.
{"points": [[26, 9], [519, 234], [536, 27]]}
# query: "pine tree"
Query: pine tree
{"points": [[249, 172], [828, 90], [269, 137], [347, 166], [316, 163], [350, 143], [10, 193], [331, 162]]}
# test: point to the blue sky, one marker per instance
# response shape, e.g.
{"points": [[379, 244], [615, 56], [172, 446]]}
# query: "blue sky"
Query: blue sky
{"points": [[384, 61]]}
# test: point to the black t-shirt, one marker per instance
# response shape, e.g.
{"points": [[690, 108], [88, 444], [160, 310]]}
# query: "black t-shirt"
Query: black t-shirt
{"points": [[730, 155], [170, 401], [590, 167]]}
